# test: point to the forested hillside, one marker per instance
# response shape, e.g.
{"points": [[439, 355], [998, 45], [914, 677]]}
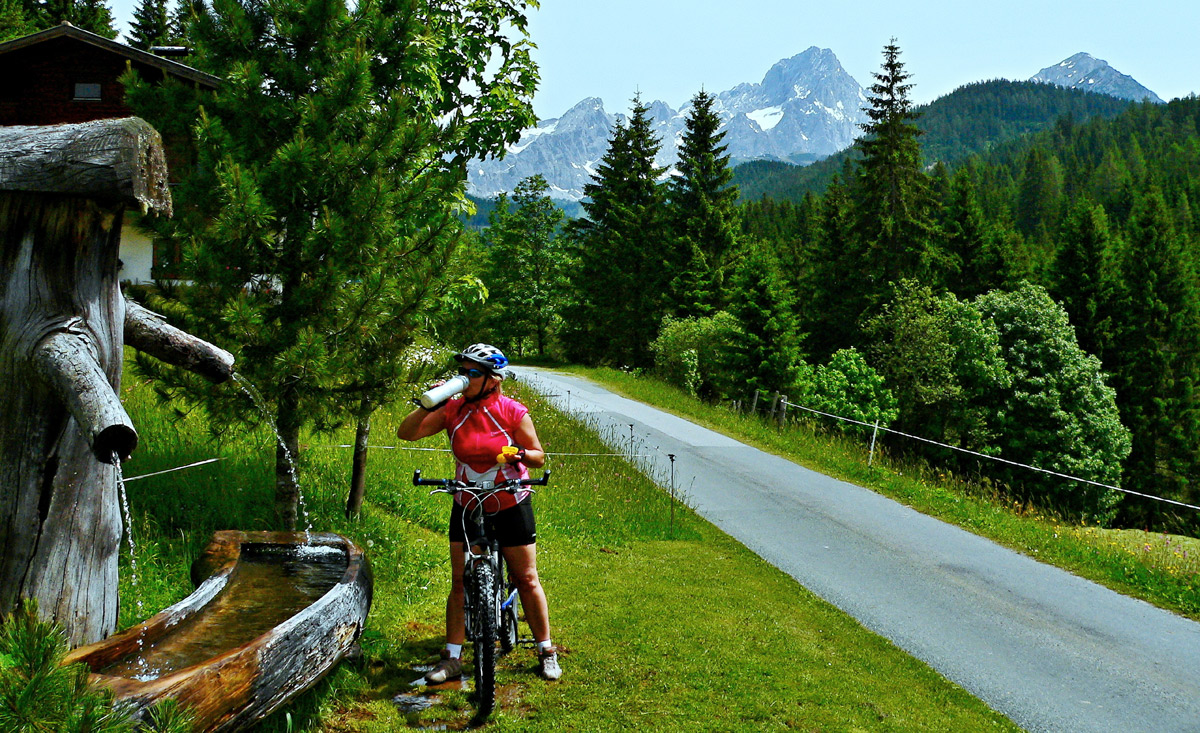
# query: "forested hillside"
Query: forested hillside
{"points": [[971, 119], [1038, 302], [1100, 215]]}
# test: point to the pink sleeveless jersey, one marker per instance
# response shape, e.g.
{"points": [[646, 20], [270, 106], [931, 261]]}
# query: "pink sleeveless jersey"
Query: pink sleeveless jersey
{"points": [[478, 431]]}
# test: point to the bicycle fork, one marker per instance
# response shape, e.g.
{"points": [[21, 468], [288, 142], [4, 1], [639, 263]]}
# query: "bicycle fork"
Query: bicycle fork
{"points": [[480, 601]]}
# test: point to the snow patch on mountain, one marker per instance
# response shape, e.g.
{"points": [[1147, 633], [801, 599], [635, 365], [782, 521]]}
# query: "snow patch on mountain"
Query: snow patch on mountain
{"points": [[767, 117]]}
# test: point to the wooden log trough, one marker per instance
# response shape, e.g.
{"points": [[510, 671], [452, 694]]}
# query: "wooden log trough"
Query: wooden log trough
{"points": [[272, 613]]}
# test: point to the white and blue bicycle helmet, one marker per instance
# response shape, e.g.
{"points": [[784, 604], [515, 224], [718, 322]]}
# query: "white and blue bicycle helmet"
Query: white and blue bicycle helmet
{"points": [[487, 356]]}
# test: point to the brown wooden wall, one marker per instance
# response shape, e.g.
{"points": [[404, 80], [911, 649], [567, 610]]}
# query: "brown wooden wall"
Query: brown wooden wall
{"points": [[37, 84]]}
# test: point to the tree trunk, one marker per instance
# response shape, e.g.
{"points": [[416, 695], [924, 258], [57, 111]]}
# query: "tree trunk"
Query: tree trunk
{"points": [[287, 454], [63, 192], [62, 524], [358, 474]]}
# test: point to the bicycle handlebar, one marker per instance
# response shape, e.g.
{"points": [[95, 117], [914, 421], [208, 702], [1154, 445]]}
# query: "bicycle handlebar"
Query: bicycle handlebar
{"points": [[454, 484]]}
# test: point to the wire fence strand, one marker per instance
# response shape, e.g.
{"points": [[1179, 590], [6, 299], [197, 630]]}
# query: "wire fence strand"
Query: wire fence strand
{"points": [[994, 458], [172, 470]]}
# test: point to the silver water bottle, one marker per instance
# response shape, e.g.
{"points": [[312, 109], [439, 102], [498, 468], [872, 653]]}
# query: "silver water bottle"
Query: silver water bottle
{"points": [[444, 391]]}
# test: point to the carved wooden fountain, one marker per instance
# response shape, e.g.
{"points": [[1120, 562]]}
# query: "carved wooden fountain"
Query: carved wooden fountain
{"points": [[63, 324], [63, 193]]}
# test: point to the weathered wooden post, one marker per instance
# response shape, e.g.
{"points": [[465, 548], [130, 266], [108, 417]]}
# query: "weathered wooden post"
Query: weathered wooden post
{"points": [[63, 322]]}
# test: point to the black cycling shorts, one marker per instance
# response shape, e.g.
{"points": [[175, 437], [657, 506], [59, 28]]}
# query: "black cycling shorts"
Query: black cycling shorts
{"points": [[512, 527]]}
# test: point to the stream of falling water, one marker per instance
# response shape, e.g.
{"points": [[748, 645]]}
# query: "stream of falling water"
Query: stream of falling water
{"points": [[259, 403], [133, 572]]}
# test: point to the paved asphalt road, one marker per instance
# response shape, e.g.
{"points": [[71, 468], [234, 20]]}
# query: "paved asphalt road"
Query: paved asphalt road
{"points": [[1051, 651]]}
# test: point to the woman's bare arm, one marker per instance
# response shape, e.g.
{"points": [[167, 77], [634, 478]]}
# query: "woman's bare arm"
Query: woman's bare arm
{"points": [[421, 423], [525, 434]]}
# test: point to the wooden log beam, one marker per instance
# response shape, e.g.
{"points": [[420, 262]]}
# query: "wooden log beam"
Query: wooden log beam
{"points": [[66, 361], [117, 161], [150, 333]]}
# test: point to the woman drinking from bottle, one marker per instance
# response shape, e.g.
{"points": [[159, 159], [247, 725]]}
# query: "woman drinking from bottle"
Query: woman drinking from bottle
{"points": [[493, 439]]}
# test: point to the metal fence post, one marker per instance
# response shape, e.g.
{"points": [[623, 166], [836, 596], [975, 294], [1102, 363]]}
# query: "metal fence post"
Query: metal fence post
{"points": [[672, 457], [782, 411], [871, 457]]}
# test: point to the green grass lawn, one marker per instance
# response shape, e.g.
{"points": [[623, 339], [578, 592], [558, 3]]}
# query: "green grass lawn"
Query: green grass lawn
{"points": [[664, 625], [1158, 568]]}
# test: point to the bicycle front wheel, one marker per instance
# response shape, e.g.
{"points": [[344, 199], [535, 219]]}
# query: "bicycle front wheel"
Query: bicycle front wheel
{"points": [[483, 587]]}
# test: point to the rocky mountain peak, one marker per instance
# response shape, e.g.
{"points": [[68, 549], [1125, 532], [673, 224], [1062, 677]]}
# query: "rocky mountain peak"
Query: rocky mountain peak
{"points": [[806, 106], [791, 76], [1084, 71]]}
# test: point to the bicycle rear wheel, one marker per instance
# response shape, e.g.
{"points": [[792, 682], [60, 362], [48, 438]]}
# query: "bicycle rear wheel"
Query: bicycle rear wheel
{"points": [[508, 613], [508, 623], [483, 604]]}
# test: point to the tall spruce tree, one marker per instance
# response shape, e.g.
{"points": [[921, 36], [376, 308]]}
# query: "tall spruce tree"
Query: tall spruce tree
{"points": [[838, 295], [971, 242], [894, 206], [618, 290], [767, 353], [90, 15], [703, 217], [181, 21], [322, 212], [1156, 362], [14, 20], [1082, 278], [151, 25], [1040, 198], [526, 276]]}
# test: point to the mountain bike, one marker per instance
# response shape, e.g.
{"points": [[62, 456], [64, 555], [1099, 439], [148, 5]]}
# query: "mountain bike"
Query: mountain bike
{"points": [[490, 603]]}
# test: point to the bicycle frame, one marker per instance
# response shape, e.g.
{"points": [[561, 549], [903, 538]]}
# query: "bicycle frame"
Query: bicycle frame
{"points": [[484, 609]]}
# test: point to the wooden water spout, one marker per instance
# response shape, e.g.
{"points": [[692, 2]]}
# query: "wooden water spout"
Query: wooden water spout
{"points": [[63, 323]]}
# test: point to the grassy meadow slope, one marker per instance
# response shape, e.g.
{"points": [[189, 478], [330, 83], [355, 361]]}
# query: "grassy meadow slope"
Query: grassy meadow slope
{"points": [[664, 625]]}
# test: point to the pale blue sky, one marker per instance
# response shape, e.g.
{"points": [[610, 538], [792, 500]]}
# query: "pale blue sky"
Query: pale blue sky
{"points": [[669, 49]]}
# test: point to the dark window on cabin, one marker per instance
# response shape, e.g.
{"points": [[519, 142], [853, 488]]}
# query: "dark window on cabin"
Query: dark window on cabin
{"points": [[87, 91]]}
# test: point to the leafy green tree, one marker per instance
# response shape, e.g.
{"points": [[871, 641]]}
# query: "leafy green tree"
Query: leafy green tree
{"points": [[847, 386], [619, 286], [894, 206], [528, 266], [1156, 361], [941, 359], [321, 216], [702, 212], [1059, 414], [696, 354], [151, 25]]}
